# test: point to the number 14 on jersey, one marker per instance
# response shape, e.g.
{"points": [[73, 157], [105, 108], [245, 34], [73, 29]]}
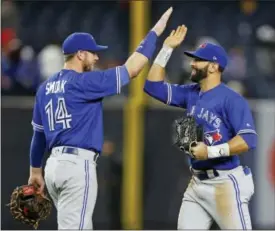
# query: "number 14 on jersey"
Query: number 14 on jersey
{"points": [[58, 115]]}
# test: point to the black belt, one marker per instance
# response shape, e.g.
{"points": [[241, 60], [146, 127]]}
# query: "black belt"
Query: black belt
{"points": [[205, 174], [74, 151], [212, 173]]}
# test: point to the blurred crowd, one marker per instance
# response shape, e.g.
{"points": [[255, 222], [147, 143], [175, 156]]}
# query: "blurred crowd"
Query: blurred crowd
{"points": [[32, 32]]}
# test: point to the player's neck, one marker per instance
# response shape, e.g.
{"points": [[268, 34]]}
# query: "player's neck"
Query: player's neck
{"points": [[72, 66], [208, 84]]}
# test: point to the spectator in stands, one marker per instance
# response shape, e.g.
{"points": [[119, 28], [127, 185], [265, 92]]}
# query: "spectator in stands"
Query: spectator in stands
{"points": [[237, 86], [9, 45], [20, 73], [9, 15], [50, 61], [28, 73], [236, 69]]}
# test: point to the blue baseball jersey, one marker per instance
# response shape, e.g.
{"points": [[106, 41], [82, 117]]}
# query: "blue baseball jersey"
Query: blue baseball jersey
{"points": [[222, 112], [68, 106]]}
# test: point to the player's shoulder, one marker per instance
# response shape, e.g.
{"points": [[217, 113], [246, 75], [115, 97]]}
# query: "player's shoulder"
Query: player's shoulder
{"points": [[93, 73], [230, 94], [40, 88], [43, 84]]}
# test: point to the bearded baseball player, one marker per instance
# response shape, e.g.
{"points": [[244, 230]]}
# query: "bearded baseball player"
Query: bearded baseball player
{"points": [[220, 188], [67, 122]]}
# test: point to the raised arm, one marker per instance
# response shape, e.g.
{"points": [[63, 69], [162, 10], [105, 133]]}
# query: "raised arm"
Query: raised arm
{"points": [[99, 84], [155, 85], [145, 50], [157, 71]]}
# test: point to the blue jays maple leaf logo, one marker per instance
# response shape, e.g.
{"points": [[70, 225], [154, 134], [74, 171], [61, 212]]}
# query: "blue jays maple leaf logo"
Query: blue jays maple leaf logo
{"points": [[212, 137], [203, 45]]}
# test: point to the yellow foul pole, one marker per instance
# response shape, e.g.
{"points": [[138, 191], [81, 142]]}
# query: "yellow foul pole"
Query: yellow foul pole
{"points": [[133, 140]]}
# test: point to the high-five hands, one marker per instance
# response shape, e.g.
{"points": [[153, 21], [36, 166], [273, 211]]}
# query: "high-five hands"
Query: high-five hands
{"points": [[162, 22], [176, 37]]}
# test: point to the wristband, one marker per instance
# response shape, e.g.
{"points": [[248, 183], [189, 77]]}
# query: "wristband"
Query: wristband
{"points": [[148, 45], [163, 56], [220, 150]]}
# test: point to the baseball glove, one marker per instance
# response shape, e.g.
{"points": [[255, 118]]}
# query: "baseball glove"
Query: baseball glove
{"points": [[186, 133], [29, 207]]}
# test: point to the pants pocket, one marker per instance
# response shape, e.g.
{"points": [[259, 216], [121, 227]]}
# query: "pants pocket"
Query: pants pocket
{"points": [[244, 184], [66, 162]]}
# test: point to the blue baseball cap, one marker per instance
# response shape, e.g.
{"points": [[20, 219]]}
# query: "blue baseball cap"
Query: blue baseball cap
{"points": [[81, 41], [210, 52]]}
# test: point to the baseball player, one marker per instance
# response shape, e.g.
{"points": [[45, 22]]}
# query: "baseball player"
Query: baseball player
{"points": [[220, 188], [67, 122]]}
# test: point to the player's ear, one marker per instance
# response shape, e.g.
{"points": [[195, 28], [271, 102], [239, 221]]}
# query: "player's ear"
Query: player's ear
{"points": [[80, 55], [214, 67]]}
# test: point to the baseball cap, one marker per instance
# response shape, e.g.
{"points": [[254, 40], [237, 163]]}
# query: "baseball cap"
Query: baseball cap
{"points": [[81, 41], [210, 52]]}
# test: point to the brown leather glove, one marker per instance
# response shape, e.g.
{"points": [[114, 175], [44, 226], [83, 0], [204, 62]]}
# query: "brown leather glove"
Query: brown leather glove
{"points": [[29, 207]]}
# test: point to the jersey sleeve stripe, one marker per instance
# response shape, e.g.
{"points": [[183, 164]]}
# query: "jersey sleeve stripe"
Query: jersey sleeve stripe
{"points": [[169, 97], [247, 131], [37, 126], [38, 129], [117, 80], [167, 102], [170, 93]]}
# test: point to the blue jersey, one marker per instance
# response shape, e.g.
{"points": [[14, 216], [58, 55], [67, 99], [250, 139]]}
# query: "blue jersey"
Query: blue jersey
{"points": [[68, 106], [222, 112]]}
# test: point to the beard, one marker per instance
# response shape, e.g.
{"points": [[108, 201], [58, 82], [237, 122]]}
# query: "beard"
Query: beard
{"points": [[87, 67], [199, 74], [87, 64]]}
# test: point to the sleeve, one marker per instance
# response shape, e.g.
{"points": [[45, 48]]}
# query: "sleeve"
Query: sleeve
{"points": [[37, 149], [99, 84], [36, 119], [240, 116], [170, 94], [251, 139]]}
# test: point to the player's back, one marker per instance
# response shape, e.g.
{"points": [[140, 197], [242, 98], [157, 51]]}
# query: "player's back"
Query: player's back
{"points": [[68, 116]]}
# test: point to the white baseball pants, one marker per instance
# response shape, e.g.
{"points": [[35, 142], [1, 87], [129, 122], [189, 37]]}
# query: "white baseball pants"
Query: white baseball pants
{"points": [[71, 181], [224, 199]]}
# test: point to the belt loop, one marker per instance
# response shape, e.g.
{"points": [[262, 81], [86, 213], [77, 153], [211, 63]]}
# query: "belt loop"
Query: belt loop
{"points": [[216, 173], [205, 174], [246, 170], [96, 157], [91, 155], [210, 173]]}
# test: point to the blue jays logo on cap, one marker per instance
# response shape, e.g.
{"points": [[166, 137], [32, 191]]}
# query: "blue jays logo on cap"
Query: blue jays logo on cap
{"points": [[202, 45], [81, 41], [210, 52]]}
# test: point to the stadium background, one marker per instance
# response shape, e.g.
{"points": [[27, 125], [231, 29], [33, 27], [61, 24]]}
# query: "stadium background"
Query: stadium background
{"points": [[141, 176]]}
